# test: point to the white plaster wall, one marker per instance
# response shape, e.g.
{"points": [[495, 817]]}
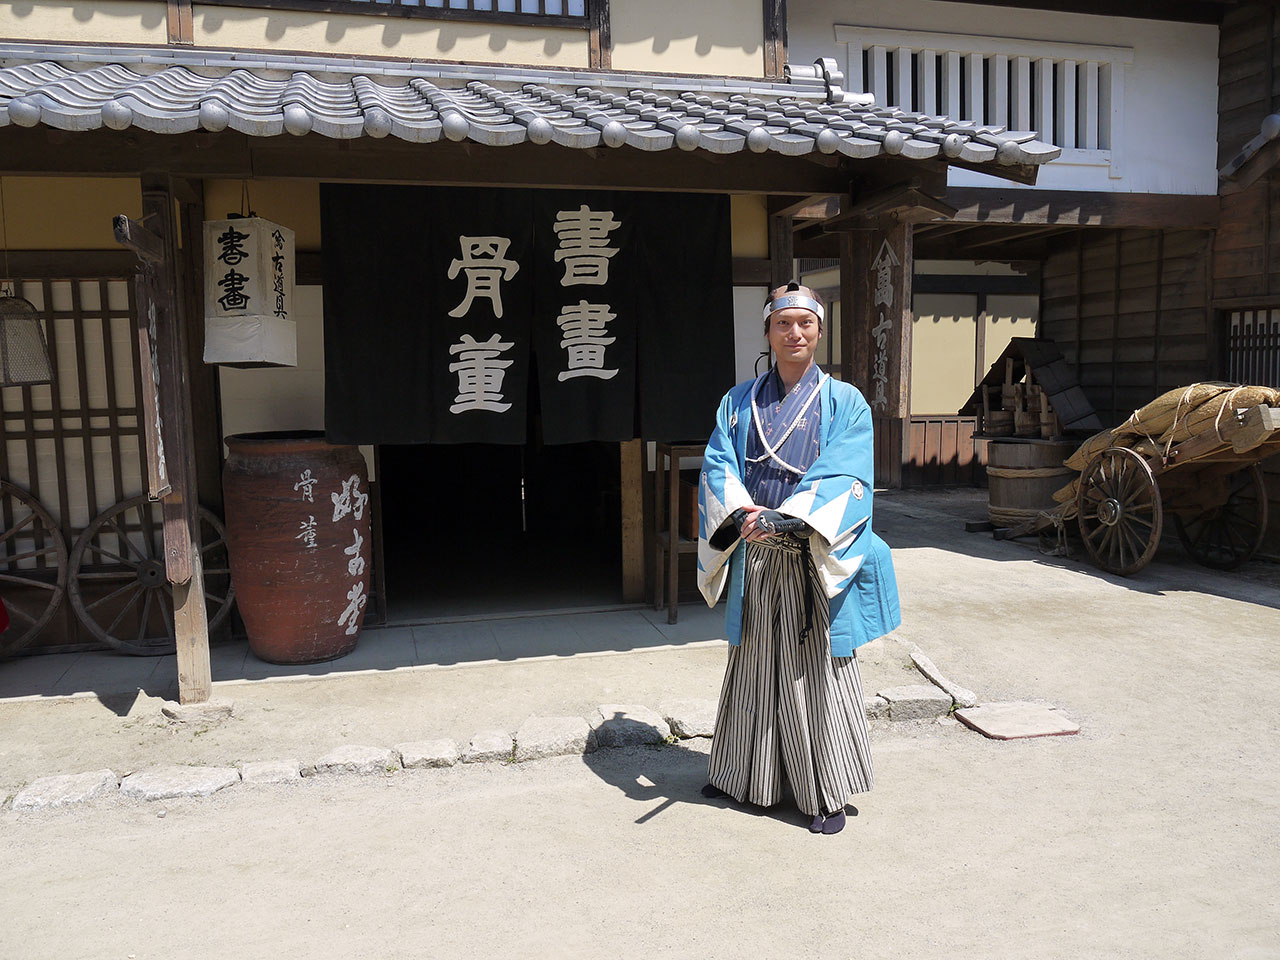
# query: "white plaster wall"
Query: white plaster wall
{"points": [[1168, 140], [283, 398], [748, 330]]}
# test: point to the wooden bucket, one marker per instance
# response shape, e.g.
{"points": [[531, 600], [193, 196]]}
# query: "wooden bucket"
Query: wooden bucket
{"points": [[999, 423], [1022, 477], [298, 535]]}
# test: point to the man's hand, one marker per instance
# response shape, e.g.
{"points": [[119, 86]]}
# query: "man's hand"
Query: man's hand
{"points": [[750, 528]]}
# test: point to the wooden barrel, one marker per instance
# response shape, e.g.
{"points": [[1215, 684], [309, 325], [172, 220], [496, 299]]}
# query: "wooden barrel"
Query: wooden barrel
{"points": [[1022, 477], [298, 523]]}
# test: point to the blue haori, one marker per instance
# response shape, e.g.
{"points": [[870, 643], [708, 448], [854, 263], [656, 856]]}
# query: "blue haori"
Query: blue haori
{"points": [[833, 496]]}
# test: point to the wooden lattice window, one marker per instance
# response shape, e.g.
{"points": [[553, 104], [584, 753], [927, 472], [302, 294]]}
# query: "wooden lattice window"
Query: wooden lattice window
{"points": [[1253, 346], [76, 444]]}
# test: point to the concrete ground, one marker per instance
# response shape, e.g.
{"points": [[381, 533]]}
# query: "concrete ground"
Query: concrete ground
{"points": [[1153, 833]]}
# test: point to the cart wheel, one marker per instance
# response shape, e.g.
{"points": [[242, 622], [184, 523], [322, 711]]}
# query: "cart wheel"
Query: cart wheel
{"points": [[118, 587], [1118, 505], [33, 566], [1223, 537]]}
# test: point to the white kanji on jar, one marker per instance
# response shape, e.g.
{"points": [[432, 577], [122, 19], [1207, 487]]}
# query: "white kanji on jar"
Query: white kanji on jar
{"points": [[583, 326], [583, 236], [484, 263], [350, 500], [480, 374]]}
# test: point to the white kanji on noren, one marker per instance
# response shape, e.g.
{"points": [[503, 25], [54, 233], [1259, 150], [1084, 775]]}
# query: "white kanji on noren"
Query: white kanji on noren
{"points": [[350, 500], [584, 325], [305, 482], [583, 236], [480, 374], [484, 261]]}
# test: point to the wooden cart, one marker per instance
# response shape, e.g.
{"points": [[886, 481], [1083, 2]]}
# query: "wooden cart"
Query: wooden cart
{"points": [[1211, 486]]}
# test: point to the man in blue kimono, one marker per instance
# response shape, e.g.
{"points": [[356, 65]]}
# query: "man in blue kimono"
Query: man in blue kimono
{"points": [[785, 522]]}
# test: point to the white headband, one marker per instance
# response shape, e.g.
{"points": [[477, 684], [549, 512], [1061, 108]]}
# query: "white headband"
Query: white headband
{"points": [[790, 300]]}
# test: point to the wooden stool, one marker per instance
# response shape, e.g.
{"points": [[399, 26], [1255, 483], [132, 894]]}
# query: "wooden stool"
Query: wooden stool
{"points": [[666, 524]]}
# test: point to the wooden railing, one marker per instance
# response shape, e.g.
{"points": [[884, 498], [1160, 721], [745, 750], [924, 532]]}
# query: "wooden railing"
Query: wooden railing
{"points": [[564, 13]]}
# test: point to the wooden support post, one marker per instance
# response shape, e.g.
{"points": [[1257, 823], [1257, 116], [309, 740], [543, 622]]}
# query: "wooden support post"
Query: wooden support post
{"points": [[775, 38], [883, 262], [161, 311], [599, 41], [781, 250], [631, 463], [853, 348]]}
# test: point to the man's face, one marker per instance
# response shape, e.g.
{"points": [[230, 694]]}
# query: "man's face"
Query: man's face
{"points": [[794, 334]]}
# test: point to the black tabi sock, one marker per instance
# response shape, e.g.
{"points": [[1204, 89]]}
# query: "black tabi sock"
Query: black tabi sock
{"points": [[712, 792]]}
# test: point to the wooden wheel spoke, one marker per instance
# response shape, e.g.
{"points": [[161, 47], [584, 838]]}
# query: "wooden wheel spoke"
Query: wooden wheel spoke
{"points": [[210, 546], [123, 610], [217, 571], [167, 607], [113, 594], [108, 575], [17, 526], [129, 545], [13, 608], [142, 620], [1146, 523], [27, 581], [219, 601], [1098, 530], [104, 552], [31, 554]]}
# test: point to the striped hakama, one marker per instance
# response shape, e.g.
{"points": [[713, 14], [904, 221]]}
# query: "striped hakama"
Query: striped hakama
{"points": [[785, 704]]}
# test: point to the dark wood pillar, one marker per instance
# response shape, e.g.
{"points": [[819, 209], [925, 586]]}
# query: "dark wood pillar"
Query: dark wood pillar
{"points": [[172, 476], [775, 38], [781, 250], [600, 40], [882, 263]]}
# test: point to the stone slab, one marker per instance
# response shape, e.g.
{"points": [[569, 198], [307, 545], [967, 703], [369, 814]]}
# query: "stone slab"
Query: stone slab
{"points": [[877, 708], [627, 725], [553, 737], [169, 781], [270, 771], [962, 696], [357, 758], [428, 753], [66, 789], [208, 713], [690, 718], [487, 746], [1017, 720], [917, 701]]}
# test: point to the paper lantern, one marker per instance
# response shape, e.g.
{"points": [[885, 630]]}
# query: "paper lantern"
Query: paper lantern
{"points": [[248, 294]]}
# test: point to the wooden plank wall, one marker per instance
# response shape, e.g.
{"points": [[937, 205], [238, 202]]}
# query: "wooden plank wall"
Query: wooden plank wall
{"points": [[941, 453], [1130, 310], [1248, 74], [1246, 262]]}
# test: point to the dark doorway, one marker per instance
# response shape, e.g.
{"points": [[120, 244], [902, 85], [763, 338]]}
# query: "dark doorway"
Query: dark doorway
{"points": [[476, 529]]}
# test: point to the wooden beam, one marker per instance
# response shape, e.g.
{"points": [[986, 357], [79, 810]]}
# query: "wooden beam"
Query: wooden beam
{"points": [[752, 272], [72, 264], [853, 348], [905, 203], [146, 245], [1253, 169], [775, 38], [633, 473], [816, 207], [1189, 11], [987, 205]]}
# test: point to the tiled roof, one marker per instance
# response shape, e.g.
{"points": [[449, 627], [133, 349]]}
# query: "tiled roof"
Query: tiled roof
{"points": [[262, 96]]}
